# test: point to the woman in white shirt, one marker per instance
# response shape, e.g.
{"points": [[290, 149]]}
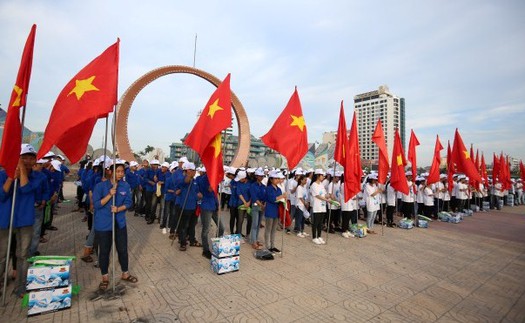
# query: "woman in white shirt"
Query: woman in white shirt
{"points": [[319, 199], [302, 206], [390, 205], [372, 195], [428, 201]]}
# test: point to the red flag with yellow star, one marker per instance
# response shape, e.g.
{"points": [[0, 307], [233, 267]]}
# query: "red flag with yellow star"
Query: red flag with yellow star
{"points": [[353, 168], [433, 175], [215, 117], [211, 158], [90, 95], [288, 134], [463, 160], [12, 135], [398, 179], [341, 140], [378, 137]]}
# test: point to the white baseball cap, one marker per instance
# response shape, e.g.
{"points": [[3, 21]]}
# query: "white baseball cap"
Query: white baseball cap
{"points": [[154, 162], [165, 164], [56, 165], [240, 175], [133, 163], [188, 166], [319, 171], [27, 149]]}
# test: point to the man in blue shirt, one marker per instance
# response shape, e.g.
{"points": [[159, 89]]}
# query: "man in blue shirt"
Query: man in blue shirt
{"points": [[23, 217], [133, 179], [209, 210]]}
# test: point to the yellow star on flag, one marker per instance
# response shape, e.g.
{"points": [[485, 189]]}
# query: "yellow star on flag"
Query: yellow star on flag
{"points": [[83, 86], [467, 155], [399, 160], [216, 144], [19, 92], [214, 108], [298, 122]]}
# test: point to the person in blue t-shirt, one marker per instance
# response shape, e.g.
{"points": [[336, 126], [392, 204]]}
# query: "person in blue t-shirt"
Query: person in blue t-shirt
{"points": [[133, 179], [23, 215], [209, 211], [258, 196], [188, 191], [271, 211], [111, 199]]}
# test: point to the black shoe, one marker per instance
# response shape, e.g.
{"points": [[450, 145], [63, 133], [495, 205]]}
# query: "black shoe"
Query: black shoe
{"points": [[162, 226], [52, 228], [150, 221], [206, 254], [275, 250]]}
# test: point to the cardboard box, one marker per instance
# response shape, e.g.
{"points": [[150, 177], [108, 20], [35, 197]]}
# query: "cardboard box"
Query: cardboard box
{"points": [[224, 265], [50, 300], [226, 246], [42, 277]]}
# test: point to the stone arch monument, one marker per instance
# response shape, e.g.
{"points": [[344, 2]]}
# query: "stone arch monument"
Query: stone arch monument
{"points": [[125, 102]]}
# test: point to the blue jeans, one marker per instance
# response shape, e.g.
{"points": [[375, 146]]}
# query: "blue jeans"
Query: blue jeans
{"points": [[37, 228], [104, 239], [299, 219], [206, 217], [371, 216], [256, 221]]}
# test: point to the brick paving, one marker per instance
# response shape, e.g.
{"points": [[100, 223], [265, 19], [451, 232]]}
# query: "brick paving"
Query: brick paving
{"points": [[468, 272]]}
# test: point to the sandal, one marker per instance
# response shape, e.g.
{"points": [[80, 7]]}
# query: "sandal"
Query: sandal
{"points": [[103, 286], [256, 246], [87, 258], [195, 244], [130, 278]]}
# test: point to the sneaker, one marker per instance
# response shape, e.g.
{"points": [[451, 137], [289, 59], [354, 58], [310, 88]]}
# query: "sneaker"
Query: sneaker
{"points": [[164, 231], [316, 241], [275, 250], [345, 235], [321, 240], [305, 234], [300, 235], [288, 231], [206, 254]]}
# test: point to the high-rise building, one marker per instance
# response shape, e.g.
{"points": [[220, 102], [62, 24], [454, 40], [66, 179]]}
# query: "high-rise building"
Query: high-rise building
{"points": [[374, 105]]}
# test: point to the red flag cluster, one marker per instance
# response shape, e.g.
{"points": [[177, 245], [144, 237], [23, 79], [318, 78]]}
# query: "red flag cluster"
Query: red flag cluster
{"points": [[379, 139]]}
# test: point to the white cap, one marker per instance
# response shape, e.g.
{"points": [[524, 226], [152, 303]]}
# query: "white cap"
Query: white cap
{"points": [[408, 173], [165, 164], [299, 172], [338, 173], [231, 170], [41, 161], [56, 165], [372, 176], [319, 171], [60, 156], [183, 159], [96, 162], [27, 149], [203, 169], [172, 167], [259, 172], [188, 166], [154, 162], [443, 176], [49, 154], [240, 175], [280, 175], [276, 174], [250, 170], [133, 163]]}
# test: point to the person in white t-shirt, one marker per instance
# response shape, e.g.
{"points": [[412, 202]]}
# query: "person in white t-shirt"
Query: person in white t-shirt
{"points": [[349, 211], [428, 201], [462, 193], [372, 197], [319, 198], [303, 206], [334, 189], [390, 204]]}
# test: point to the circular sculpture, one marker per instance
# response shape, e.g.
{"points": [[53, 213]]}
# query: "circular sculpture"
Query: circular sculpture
{"points": [[126, 100]]}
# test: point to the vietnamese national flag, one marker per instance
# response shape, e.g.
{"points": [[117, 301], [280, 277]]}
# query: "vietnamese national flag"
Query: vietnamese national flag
{"points": [[215, 117], [463, 160], [379, 138], [288, 134], [91, 94], [12, 135], [398, 179], [495, 169], [451, 168], [505, 172], [341, 140], [211, 158], [412, 152], [433, 176], [522, 171], [353, 169], [484, 175], [205, 137]]}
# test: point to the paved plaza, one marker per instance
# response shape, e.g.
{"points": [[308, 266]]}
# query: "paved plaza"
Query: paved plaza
{"points": [[468, 272]]}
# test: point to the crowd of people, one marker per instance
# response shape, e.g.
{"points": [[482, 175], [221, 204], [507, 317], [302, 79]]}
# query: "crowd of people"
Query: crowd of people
{"points": [[177, 195]]}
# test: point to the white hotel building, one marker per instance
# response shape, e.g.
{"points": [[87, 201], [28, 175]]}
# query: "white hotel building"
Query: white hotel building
{"points": [[374, 105]]}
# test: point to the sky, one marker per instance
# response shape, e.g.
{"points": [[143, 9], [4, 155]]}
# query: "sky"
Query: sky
{"points": [[458, 64]]}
